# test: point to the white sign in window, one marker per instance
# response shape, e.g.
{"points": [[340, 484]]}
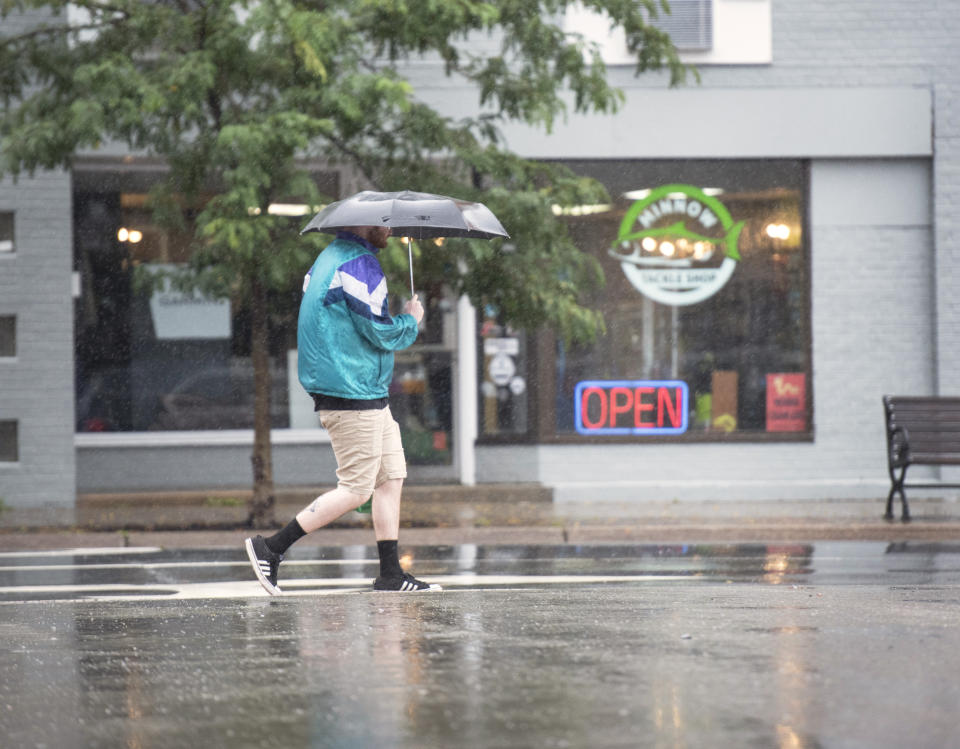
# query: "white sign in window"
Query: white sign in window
{"points": [[180, 316]]}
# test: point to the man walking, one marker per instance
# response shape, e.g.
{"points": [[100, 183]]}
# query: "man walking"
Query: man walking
{"points": [[346, 339]]}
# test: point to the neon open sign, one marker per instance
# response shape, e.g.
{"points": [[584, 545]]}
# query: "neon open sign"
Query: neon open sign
{"points": [[631, 406]]}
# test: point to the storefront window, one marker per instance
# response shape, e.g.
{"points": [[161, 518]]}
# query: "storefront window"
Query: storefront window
{"points": [[706, 302], [162, 360]]}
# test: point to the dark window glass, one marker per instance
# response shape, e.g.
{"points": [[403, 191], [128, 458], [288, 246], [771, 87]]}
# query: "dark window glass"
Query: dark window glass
{"points": [[8, 335], [689, 24], [420, 401], [160, 359], [707, 285], [9, 448], [421, 392]]}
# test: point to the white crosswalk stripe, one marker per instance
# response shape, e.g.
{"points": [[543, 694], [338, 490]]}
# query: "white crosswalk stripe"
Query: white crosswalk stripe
{"points": [[299, 587]]}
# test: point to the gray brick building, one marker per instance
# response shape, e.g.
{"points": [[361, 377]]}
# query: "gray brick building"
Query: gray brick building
{"points": [[842, 118], [36, 396]]}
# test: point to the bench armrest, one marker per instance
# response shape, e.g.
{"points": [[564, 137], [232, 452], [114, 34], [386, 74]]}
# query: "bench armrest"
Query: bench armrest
{"points": [[898, 447]]}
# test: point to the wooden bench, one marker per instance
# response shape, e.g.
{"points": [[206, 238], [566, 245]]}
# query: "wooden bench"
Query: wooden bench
{"points": [[920, 431]]}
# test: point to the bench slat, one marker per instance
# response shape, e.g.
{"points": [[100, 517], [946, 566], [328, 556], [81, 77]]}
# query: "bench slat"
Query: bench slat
{"points": [[916, 427], [915, 451], [934, 459], [924, 413], [935, 440], [940, 415], [928, 432], [921, 399], [923, 408], [945, 405], [946, 418]]}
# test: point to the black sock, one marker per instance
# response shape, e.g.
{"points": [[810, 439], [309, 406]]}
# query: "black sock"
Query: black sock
{"points": [[283, 539], [389, 560]]}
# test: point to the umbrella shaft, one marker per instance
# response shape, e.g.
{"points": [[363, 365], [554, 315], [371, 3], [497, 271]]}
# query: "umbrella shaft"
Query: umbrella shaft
{"points": [[410, 259]]}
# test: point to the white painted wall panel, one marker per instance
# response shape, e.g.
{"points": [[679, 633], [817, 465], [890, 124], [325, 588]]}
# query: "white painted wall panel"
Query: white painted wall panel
{"points": [[882, 192]]}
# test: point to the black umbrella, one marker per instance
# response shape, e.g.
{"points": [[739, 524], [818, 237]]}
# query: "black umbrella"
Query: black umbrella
{"points": [[418, 215]]}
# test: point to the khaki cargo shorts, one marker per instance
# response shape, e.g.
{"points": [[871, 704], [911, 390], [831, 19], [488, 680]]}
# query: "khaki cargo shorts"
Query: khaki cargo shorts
{"points": [[367, 447]]}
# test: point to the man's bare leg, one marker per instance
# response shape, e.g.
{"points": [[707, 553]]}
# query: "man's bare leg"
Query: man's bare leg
{"points": [[328, 507], [265, 554], [323, 510], [386, 510], [386, 526]]}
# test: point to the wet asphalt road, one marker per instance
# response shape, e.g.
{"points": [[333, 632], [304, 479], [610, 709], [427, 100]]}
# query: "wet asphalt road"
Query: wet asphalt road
{"points": [[840, 644]]}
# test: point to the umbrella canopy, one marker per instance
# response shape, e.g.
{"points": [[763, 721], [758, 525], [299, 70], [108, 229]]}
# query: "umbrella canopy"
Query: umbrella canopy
{"points": [[409, 214]]}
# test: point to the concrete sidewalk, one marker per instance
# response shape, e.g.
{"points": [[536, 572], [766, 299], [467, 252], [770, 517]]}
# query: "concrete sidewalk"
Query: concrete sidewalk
{"points": [[488, 514]]}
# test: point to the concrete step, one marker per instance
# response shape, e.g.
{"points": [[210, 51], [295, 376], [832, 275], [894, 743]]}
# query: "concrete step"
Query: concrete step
{"points": [[301, 496], [438, 506]]}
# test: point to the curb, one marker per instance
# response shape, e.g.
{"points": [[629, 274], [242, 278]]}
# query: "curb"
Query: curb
{"points": [[569, 534]]}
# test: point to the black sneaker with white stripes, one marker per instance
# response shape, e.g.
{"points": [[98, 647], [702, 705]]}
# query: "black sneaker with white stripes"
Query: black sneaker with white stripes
{"points": [[265, 563], [406, 584]]}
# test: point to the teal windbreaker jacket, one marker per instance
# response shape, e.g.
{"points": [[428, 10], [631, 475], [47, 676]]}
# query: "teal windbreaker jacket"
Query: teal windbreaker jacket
{"points": [[345, 334]]}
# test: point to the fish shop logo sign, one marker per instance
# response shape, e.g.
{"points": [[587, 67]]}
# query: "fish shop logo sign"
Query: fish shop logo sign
{"points": [[678, 245]]}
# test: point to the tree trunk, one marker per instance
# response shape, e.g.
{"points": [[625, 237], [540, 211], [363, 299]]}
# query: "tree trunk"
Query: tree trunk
{"points": [[263, 501]]}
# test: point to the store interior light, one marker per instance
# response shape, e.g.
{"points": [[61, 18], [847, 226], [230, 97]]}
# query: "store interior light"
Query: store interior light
{"points": [[129, 235], [644, 193], [288, 209], [679, 248], [285, 209], [580, 210], [778, 231]]}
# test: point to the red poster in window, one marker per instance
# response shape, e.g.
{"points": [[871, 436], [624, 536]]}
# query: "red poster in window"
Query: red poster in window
{"points": [[787, 402]]}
